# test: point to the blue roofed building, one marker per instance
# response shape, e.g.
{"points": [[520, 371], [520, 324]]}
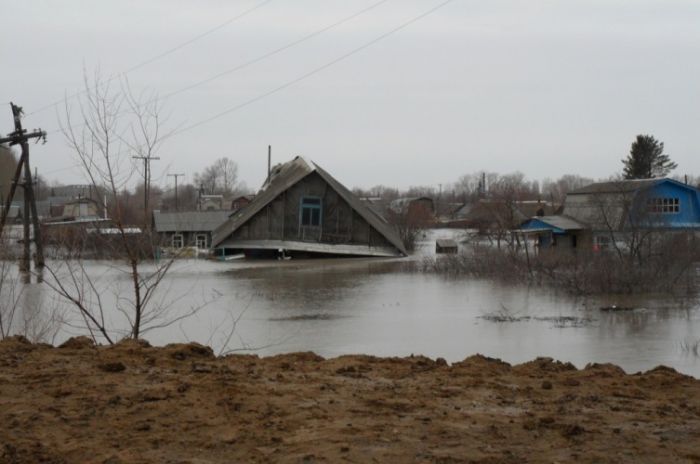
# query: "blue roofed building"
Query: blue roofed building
{"points": [[601, 214]]}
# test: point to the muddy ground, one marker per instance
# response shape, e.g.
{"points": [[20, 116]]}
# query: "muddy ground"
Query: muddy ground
{"points": [[133, 403]]}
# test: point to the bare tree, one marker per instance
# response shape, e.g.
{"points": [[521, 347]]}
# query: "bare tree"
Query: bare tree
{"points": [[145, 138], [220, 178], [410, 222], [112, 127], [556, 190]]}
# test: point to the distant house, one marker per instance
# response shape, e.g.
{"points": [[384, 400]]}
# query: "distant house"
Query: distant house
{"points": [[418, 210], [211, 203], [301, 209], [598, 214], [488, 214], [79, 210], [187, 229], [241, 202], [446, 246], [59, 196], [412, 204]]}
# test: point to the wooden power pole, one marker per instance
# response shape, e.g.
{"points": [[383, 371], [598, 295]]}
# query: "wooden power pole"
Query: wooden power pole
{"points": [[146, 184], [176, 176], [21, 137]]}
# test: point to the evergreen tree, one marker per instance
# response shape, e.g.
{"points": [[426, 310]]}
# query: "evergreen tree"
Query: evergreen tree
{"points": [[647, 159]]}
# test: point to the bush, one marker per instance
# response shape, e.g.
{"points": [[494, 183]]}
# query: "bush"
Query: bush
{"points": [[669, 267]]}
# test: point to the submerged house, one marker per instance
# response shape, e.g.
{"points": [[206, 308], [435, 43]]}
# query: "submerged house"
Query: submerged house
{"points": [[488, 214], [303, 210], [598, 214], [187, 229]]}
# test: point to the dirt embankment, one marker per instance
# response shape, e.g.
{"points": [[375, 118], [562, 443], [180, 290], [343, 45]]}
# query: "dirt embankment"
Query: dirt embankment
{"points": [[180, 404]]}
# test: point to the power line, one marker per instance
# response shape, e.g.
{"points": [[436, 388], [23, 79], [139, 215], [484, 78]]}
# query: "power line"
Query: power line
{"points": [[161, 55], [312, 72], [259, 58], [275, 51]]}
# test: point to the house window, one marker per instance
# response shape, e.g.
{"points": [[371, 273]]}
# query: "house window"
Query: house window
{"points": [[310, 211], [201, 240], [663, 205], [178, 241]]}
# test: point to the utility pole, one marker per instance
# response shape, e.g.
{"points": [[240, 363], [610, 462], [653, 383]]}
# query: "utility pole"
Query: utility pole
{"points": [[176, 176], [21, 137], [146, 182], [269, 160]]}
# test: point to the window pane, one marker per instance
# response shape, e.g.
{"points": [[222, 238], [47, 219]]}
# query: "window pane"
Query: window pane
{"points": [[305, 216], [316, 218], [311, 201]]}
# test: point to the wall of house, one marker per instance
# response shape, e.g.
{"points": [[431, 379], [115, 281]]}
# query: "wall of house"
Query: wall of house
{"points": [[189, 238], [280, 219], [80, 209], [600, 211], [613, 211], [688, 214]]}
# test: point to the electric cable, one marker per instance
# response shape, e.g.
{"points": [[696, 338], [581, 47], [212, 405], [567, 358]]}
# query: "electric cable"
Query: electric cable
{"points": [[160, 55], [310, 73]]}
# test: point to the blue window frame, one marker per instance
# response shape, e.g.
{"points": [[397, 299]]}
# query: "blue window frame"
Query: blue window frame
{"points": [[310, 212]]}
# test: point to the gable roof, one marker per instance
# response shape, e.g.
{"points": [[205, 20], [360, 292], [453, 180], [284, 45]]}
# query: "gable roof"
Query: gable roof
{"points": [[561, 222], [192, 221], [624, 186], [499, 211], [284, 176]]}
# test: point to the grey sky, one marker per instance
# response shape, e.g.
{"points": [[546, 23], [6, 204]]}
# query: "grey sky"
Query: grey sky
{"points": [[543, 87]]}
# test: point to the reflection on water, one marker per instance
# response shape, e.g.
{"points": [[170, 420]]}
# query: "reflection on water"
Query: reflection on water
{"points": [[336, 307]]}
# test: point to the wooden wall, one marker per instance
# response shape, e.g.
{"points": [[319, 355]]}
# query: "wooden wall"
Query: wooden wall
{"points": [[279, 220]]}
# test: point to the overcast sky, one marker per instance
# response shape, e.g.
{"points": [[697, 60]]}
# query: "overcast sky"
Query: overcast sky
{"points": [[543, 87]]}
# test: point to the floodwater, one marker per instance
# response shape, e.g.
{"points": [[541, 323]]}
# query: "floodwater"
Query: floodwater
{"points": [[343, 306]]}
